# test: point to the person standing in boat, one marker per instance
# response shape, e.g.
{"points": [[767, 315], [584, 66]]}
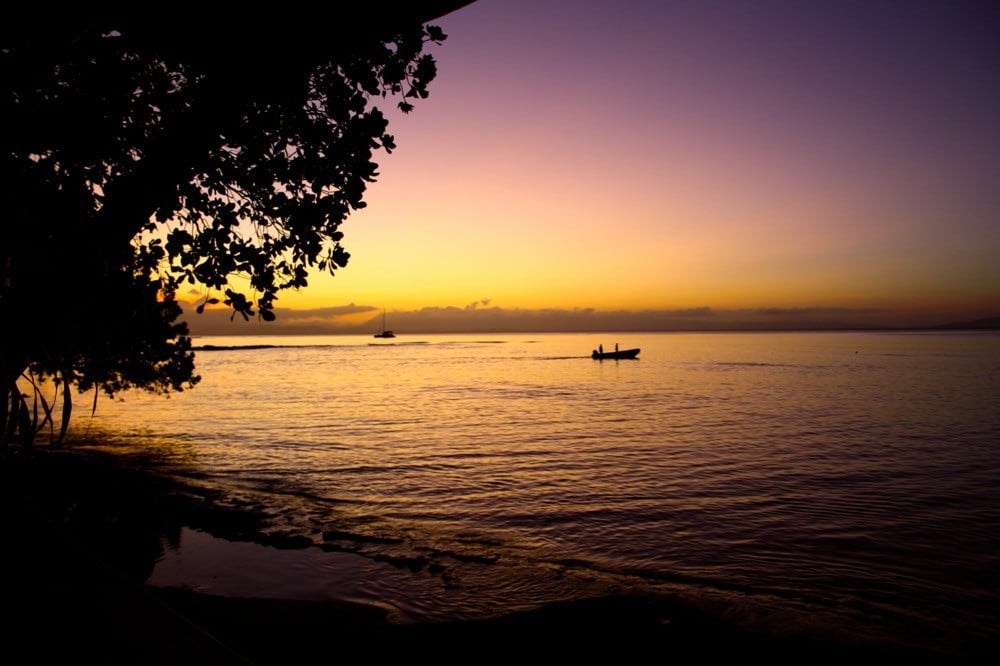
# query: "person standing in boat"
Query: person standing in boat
{"points": [[600, 349], [616, 347]]}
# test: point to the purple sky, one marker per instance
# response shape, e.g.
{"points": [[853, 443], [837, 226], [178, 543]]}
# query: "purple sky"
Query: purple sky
{"points": [[691, 156]]}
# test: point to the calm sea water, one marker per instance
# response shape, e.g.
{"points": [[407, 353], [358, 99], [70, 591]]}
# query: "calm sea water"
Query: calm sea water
{"points": [[843, 480]]}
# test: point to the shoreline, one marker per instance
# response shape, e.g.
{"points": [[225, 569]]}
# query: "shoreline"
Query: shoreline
{"points": [[84, 531]]}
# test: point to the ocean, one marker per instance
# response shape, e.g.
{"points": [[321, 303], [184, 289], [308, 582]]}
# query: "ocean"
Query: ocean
{"points": [[838, 481]]}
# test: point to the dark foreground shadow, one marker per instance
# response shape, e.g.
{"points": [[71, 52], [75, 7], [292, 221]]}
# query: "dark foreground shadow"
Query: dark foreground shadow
{"points": [[79, 536]]}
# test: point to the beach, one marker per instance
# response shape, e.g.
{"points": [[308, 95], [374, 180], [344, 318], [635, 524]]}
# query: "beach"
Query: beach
{"points": [[80, 529]]}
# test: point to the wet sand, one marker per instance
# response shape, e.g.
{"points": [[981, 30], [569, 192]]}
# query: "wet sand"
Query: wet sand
{"points": [[81, 533]]}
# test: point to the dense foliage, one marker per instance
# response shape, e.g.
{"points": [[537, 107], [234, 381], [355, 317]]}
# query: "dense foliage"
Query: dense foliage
{"points": [[145, 155]]}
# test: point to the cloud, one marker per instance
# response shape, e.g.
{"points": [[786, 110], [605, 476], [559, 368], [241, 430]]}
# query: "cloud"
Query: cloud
{"points": [[809, 312], [688, 312], [482, 317], [475, 304], [219, 320], [325, 313]]}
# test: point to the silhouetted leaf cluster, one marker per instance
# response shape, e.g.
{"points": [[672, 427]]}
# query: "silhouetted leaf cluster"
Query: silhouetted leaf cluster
{"points": [[148, 155]]}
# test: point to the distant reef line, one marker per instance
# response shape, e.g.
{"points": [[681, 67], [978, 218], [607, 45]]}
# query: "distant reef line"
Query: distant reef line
{"points": [[990, 323], [224, 347]]}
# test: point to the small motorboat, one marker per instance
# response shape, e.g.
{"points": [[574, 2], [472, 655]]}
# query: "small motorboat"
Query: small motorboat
{"points": [[624, 353]]}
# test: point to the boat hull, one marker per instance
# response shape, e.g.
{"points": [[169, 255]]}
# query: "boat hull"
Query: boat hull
{"points": [[624, 353]]}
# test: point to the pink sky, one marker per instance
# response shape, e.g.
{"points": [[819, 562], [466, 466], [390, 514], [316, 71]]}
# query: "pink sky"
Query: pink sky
{"points": [[671, 157]]}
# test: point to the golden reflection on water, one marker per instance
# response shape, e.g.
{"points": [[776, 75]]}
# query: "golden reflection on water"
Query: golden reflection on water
{"points": [[788, 463]]}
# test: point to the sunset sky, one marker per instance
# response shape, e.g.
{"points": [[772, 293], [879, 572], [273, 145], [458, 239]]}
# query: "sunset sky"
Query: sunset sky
{"points": [[687, 161]]}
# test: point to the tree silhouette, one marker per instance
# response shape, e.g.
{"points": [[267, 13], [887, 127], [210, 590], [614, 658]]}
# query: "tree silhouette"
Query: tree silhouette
{"points": [[146, 153]]}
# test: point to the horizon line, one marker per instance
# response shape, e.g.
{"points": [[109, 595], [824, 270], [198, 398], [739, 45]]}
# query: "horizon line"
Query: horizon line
{"points": [[992, 324]]}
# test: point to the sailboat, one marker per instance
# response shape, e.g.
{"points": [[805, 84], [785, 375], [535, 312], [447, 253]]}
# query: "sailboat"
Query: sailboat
{"points": [[384, 333]]}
